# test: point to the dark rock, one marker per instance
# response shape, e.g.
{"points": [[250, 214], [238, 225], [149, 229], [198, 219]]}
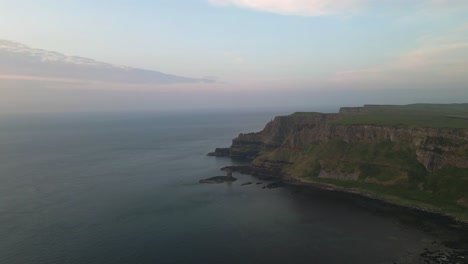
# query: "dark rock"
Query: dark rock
{"points": [[218, 179], [258, 172], [276, 185], [246, 183], [220, 152]]}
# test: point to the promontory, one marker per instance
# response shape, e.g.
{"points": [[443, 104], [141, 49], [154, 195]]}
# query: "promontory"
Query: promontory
{"points": [[413, 155]]}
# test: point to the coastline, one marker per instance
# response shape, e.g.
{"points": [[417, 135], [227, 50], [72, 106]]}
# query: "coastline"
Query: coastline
{"points": [[394, 201], [449, 251], [265, 174], [383, 152]]}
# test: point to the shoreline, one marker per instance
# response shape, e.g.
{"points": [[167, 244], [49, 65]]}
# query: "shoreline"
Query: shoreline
{"points": [[367, 195], [264, 174], [448, 249]]}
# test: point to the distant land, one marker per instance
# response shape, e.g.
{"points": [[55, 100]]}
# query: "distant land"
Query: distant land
{"points": [[412, 155], [23, 62]]}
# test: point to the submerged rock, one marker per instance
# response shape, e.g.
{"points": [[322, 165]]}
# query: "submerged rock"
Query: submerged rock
{"points": [[246, 183], [220, 179], [275, 185]]}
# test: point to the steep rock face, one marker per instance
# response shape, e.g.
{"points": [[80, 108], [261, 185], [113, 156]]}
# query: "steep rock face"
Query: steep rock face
{"points": [[435, 148], [275, 134]]}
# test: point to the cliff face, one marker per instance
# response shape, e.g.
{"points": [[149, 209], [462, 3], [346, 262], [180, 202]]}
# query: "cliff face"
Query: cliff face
{"points": [[275, 134], [435, 148]]}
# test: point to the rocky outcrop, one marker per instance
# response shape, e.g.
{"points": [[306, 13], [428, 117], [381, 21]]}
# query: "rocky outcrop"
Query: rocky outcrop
{"points": [[220, 152]]}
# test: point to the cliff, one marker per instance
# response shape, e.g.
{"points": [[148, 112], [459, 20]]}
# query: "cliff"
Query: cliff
{"points": [[414, 153]]}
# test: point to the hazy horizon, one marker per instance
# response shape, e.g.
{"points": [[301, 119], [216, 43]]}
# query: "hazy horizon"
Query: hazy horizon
{"points": [[230, 54]]}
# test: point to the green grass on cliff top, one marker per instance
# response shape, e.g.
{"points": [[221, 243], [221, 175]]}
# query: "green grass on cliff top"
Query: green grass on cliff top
{"points": [[415, 115]]}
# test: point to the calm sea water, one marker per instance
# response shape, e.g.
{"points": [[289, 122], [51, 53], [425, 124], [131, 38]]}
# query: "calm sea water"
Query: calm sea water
{"points": [[123, 188]]}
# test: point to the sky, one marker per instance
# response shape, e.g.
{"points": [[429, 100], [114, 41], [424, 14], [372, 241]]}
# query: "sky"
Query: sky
{"points": [[260, 52]]}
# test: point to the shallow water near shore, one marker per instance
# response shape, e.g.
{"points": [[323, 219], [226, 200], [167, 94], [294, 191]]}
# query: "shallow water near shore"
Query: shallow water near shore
{"points": [[123, 188]]}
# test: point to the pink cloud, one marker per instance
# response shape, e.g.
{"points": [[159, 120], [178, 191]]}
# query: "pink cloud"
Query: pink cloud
{"points": [[297, 7], [445, 62], [430, 56]]}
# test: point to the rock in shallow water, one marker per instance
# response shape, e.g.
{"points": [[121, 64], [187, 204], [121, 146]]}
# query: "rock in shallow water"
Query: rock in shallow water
{"points": [[218, 179], [275, 185]]}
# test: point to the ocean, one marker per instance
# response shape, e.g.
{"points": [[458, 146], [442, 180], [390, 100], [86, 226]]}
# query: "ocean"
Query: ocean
{"points": [[123, 188]]}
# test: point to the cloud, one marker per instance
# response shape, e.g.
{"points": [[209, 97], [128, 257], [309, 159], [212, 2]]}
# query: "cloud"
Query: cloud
{"points": [[450, 4], [440, 58], [297, 7], [463, 28], [440, 64], [447, 54], [435, 10], [22, 62]]}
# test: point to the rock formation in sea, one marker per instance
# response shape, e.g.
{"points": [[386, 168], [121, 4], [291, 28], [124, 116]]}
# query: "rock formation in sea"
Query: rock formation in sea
{"points": [[220, 179]]}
